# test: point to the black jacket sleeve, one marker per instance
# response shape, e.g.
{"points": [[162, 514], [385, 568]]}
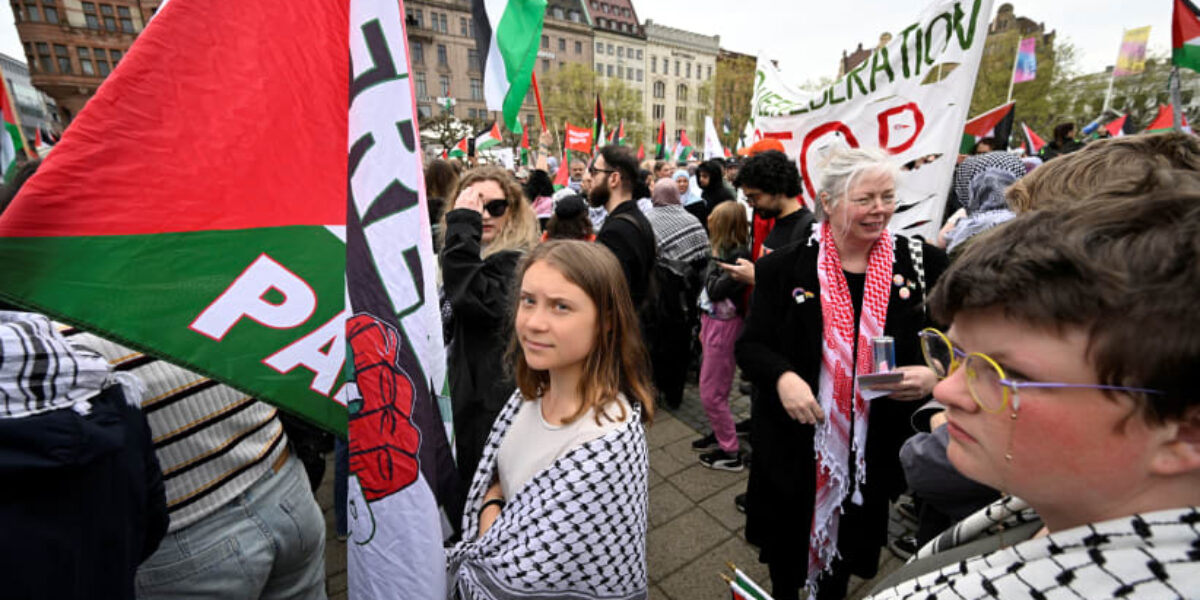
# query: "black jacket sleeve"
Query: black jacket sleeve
{"points": [[476, 287], [755, 349], [720, 284], [621, 237]]}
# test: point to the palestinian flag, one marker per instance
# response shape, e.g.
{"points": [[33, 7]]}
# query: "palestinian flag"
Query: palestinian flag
{"points": [[598, 123], [1165, 121], [12, 139], [459, 150], [303, 275], [683, 148], [618, 135], [490, 137], [525, 147], [1120, 127], [563, 176], [1033, 143], [507, 36], [996, 123], [660, 142], [1185, 35], [641, 152]]}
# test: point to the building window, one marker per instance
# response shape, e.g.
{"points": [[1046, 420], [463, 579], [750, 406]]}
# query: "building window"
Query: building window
{"points": [[620, 51], [680, 113], [545, 42], [420, 15], [89, 15], [64, 59], [639, 74], [709, 72], [557, 11], [660, 89], [31, 12], [418, 52], [116, 57], [110, 19], [609, 70], [51, 12], [639, 54], [660, 111], [44, 58], [653, 64], [445, 27], [444, 85], [102, 62], [681, 93], [599, 47], [476, 89], [578, 47], [442, 59], [599, 69], [574, 16], [472, 113], [422, 87], [424, 111], [545, 65], [85, 61], [126, 19], [689, 70], [609, 49], [529, 120], [472, 59], [462, 27], [677, 68], [562, 45]]}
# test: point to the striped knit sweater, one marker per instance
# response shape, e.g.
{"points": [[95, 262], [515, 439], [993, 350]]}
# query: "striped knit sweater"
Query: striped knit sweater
{"points": [[213, 442]]}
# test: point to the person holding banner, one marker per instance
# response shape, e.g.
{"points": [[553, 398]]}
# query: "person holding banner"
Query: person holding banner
{"points": [[491, 227], [558, 505], [825, 444]]}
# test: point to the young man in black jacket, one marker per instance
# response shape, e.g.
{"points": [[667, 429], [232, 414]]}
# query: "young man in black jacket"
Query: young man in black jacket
{"points": [[626, 231]]}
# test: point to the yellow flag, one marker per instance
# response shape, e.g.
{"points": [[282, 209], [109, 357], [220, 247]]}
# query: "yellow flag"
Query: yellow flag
{"points": [[1132, 59]]}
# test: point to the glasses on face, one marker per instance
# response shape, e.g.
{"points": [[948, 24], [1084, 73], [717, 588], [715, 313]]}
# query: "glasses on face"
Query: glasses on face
{"points": [[987, 383], [871, 200], [497, 207], [592, 170]]}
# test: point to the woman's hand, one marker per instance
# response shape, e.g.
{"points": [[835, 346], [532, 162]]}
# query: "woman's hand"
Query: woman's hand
{"points": [[545, 140], [918, 383], [743, 271], [797, 399], [470, 199]]}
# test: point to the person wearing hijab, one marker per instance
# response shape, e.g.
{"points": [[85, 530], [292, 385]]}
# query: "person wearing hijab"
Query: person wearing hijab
{"points": [[689, 195], [682, 241]]}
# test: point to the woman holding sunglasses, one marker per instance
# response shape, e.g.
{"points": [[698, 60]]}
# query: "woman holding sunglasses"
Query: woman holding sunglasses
{"points": [[825, 447], [1069, 384], [489, 229]]}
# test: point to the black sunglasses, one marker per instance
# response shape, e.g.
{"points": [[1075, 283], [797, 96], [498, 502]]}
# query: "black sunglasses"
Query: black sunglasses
{"points": [[497, 207]]}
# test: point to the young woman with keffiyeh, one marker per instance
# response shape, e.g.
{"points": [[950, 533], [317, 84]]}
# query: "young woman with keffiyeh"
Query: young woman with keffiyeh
{"points": [[558, 505], [826, 457]]}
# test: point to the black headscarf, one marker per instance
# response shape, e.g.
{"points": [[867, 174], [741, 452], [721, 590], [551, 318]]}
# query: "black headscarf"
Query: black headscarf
{"points": [[715, 192]]}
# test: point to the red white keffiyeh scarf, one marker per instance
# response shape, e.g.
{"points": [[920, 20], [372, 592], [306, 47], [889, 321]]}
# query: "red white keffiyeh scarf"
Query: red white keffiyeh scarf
{"points": [[839, 388]]}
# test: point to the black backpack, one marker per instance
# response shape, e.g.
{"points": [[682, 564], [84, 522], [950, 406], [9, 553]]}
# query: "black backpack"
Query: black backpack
{"points": [[672, 289]]}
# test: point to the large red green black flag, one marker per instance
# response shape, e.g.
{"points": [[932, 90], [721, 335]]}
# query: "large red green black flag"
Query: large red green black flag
{"points": [[264, 223]]}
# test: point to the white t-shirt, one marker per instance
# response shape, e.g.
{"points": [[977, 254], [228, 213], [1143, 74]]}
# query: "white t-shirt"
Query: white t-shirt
{"points": [[531, 444]]}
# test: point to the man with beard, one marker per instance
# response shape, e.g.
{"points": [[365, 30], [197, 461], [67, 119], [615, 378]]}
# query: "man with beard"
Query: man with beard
{"points": [[771, 183], [626, 231]]}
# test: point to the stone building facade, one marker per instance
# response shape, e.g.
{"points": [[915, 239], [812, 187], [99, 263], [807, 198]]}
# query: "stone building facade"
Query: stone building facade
{"points": [[34, 108], [681, 67], [71, 45], [620, 43]]}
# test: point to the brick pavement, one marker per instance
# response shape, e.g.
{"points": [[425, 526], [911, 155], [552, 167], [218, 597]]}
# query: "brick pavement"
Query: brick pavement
{"points": [[694, 527]]}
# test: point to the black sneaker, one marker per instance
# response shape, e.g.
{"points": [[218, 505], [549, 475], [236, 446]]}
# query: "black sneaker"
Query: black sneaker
{"points": [[904, 546], [739, 502], [742, 427], [707, 443], [720, 459]]}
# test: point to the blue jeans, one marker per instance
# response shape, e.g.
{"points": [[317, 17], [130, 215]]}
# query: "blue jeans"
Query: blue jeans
{"points": [[269, 542]]}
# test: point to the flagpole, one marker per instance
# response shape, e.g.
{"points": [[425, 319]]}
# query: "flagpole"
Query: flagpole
{"points": [[1176, 107], [1013, 79], [1113, 77], [537, 95]]}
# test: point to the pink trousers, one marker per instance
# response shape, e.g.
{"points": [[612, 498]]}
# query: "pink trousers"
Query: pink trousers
{"points": [[716, 376]]}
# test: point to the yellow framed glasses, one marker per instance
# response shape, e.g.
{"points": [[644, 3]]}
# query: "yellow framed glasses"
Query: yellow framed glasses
{"points": [[991, 389]]}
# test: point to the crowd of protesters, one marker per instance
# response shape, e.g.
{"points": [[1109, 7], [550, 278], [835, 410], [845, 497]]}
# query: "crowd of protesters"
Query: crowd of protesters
{"points": [[1036, 406]]}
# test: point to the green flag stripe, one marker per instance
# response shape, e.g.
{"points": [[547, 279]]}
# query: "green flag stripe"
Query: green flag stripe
{"points": [[1187, 56], [130, 289], [518, 36]]}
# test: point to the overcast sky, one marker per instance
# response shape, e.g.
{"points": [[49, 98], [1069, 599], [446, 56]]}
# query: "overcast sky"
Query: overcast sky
{"points": [[808, 36]]}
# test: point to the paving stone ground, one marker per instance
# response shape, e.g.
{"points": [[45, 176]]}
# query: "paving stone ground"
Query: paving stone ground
{"points": [[694, 528]]}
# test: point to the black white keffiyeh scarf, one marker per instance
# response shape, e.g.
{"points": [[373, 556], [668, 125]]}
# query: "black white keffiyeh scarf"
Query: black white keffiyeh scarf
{"points": [[576, 530], [1144, 556], [41, 371]]}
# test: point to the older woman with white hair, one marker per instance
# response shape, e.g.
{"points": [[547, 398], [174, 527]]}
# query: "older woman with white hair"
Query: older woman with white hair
{"points": [[825, 443]]}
